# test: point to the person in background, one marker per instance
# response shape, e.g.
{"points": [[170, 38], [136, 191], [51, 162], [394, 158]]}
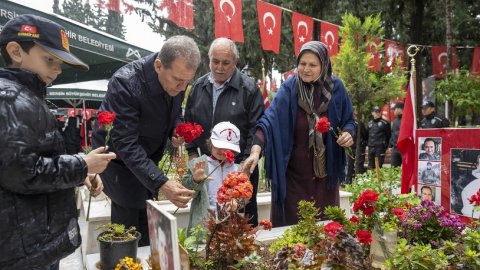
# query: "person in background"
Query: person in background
{"points": [[357, 165], [226, 94], [37, 179], [430, 118], [303, 163], [225, 136], [71, 135], [396, 156], [146, 96], [379, 132]]}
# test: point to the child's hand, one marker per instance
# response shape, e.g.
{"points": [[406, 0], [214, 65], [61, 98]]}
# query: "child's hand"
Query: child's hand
{"points": [[199, 171]]}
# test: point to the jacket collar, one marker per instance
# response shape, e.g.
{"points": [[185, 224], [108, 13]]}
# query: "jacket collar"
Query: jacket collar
{"points": [[26, 78], [235, 80], [151, 75]]}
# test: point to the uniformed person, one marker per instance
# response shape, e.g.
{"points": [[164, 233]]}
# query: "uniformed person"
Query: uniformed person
{"points": [[379, 132], [430, 118]]}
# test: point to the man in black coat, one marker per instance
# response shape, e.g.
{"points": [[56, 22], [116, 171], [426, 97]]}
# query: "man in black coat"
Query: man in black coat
{"points": [[226, 94], [396, 156], [146, 96], [379, 132]]}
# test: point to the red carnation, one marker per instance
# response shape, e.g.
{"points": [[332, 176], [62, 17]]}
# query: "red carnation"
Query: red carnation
{"points": [[364, 237], [354, 219], [189, 131], [266, 224], [475, 199], [106, 118], [322, 125], [332, 228], [229, 156]]}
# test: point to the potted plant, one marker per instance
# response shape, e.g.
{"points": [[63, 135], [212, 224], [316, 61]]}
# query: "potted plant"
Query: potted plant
{"points": [[116, 243]]}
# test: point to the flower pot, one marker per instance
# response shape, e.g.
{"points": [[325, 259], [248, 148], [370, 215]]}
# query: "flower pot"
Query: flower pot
{"points": [[111, 252], [378, 254]]}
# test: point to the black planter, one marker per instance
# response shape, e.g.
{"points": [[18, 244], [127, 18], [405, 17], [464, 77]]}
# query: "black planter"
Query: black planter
{"points": [[111, 252]]}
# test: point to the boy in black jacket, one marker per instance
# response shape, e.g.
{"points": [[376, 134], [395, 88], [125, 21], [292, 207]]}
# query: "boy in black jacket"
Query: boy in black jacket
{"points": [[37, 207]]}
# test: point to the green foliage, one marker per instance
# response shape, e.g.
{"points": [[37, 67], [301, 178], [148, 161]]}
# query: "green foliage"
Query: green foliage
{"points": [[307, 231], [116, 232], [366, 87], [416, 257], [462, 90], [389, 182], [94, 16]]}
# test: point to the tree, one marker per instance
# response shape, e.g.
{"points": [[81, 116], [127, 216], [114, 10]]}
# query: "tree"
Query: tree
{"points": [[366, 87], [114, 24]]}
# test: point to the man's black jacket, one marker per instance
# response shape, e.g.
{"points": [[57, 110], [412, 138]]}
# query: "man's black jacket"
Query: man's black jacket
{"points": [[145, 117]]}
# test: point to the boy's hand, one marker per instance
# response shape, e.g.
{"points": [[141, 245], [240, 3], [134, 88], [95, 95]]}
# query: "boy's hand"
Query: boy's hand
{"points": [[95, 182], [199, 170]]}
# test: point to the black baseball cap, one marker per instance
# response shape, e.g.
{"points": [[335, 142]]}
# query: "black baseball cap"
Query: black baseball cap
{"points": [[399, 105], [428, 103], [375, 109], [45, 33]]}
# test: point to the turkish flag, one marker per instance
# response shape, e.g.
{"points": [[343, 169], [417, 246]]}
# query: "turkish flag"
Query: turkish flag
{"points": [[302, 30], [262, 85], [374, 63], [392, 52], [406, 140], [270, 24], [228, 19], [180, 12], [114, 5], [329, 36], [439, 61], [475, 68]]}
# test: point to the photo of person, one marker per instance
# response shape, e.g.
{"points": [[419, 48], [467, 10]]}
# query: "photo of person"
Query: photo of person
{"points": [[465, 180], [430, 193], [162, 228], [429, 173], [430, 148]]}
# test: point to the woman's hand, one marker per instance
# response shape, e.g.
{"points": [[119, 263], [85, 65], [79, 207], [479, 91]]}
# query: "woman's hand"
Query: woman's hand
{"points": [[345, 139], [249, 164]]}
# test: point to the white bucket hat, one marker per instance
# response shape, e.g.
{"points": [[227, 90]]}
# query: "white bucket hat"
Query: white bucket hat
{"points": [[227, 136]]}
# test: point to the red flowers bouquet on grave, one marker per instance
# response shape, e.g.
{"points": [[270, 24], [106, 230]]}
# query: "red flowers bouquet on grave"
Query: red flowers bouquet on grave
{"points": [[189, 131], [324, 126]]}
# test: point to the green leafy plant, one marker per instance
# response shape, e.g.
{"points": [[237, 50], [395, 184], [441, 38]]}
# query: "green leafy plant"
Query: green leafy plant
{"points": [[117, 232], [416, 257]]}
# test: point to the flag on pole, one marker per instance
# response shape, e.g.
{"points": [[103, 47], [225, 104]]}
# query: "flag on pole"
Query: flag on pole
{"points": [[406, 138]]}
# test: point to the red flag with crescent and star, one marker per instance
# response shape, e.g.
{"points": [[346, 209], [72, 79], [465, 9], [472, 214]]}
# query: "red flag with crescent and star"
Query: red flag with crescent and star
{"points": [[373, 49], [302, 27], [329, 36], [439, 61], [228, 19], [475, 68], [270, 25], [180, 12], [392, 52]]}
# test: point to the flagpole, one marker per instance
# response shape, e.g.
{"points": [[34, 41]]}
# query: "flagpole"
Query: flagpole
{"points": [[412, 51], [263, 75]]}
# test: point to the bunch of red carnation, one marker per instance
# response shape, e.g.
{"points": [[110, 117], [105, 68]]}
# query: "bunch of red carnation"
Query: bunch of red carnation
{"points": [[475, 199], [189, 131], [365, 202], [236, 186]]}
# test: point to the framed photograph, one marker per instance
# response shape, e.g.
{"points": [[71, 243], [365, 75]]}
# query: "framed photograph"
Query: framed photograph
{"points": [[455, 158], [429, 193], [162, 228], [429, 173], [429, 148], [464, 180]]}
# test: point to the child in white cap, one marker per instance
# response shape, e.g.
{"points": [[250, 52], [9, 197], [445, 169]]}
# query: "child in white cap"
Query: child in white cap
{"points": [[225, 136]]}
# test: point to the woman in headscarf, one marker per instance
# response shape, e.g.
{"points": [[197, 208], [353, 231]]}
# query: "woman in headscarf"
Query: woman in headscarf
{"points": [[302, 163]]}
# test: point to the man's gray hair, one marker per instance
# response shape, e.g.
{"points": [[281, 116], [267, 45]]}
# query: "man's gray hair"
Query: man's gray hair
{"points": [[180, 46], [224, 41]]}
